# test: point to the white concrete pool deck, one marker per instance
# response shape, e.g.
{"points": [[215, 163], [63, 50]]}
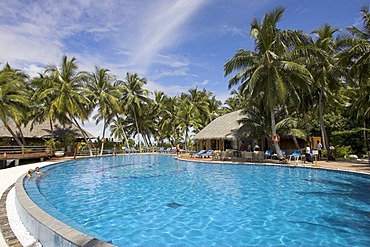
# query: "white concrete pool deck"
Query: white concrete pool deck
{"points": [[10, 175]]}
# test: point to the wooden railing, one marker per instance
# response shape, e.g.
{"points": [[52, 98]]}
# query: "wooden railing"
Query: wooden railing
{"points": [[24, 152]]}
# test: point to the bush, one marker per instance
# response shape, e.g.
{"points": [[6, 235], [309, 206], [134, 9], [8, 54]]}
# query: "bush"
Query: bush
{"points": [[343, 151]]}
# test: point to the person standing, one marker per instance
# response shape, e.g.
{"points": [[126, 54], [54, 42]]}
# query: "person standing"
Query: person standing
{"points": [[308, 153], [319, 148]]}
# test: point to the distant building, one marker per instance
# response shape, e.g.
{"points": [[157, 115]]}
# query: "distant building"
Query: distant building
{"points": [[225, 132], [222, 133], [41, 132]]}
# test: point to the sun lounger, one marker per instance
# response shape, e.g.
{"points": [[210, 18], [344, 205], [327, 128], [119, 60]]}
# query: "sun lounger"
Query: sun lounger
{"points": [[207, 154], [199, 153], [247, 156], [295, 155], [268, 154]]}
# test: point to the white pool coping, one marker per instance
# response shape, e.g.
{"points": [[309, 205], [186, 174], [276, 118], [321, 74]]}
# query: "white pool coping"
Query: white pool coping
{"points": [[32, 223]]}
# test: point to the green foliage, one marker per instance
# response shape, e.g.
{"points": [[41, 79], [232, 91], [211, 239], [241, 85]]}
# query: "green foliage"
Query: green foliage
{"points": [[343, 151]]}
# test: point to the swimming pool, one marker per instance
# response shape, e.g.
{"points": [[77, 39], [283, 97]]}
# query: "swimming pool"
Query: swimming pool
{"points": [[155, 200]]}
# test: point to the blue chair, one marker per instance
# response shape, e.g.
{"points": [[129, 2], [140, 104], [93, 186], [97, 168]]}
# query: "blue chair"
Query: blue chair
{"points": [[276, 156], [268, 153], [134, 150], [295, 155], [199, 153], [207, 154], [161, 149], [127, 150]]}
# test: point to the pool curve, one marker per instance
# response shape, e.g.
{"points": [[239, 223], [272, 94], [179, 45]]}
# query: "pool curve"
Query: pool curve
{"points": [[49, 231]]}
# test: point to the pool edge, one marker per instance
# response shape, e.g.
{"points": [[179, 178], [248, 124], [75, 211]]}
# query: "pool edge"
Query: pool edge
{"points": [[48, 230]]}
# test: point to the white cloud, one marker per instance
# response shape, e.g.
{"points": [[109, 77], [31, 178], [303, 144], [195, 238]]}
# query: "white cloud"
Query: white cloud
{"points": [[233, 31], [160, 28]]}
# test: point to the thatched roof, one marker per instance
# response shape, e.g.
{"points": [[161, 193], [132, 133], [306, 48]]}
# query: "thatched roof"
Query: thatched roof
{"points": [[42, 130], [224, 127]]}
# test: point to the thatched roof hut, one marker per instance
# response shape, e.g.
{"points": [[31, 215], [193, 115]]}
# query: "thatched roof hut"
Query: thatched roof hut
{"points": [[42, 130], [222, 133], [224, 127]]}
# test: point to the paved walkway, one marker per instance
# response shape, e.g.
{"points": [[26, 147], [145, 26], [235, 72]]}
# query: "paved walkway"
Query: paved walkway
{"points": [[354, 166], [10, 175]]}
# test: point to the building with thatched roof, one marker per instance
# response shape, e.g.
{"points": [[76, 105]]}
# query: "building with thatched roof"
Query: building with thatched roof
{"points": [[42, 131], [226, 132], [222, 133]]}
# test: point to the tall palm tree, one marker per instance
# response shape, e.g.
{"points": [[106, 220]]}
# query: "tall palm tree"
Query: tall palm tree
{"points": [[105, 97], [133, 96], [188, 118], [14, 98], [268, 73], [67, 94], [356, 57]]}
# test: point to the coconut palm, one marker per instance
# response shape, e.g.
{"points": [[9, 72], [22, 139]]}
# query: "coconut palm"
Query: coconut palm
{"points": [[133, 96], [268, 74], [14, 98], [105, 97], [188, 118], [67, 94], [356, 57], [322, 65]]}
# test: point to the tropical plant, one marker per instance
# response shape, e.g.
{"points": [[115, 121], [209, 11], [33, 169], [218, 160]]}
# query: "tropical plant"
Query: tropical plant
{"points": [[269, 74], [133, 96], [104, 96], [67, 95], [14, 99], [356, 58]]}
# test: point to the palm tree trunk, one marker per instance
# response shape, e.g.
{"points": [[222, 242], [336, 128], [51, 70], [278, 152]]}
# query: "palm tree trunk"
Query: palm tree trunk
{"points": [[102, 143], [322, 125], [293, 136], [186, 140], [366, 144], [14, 135], [273, 130], [83, 135], [124, 132], [138, 131], [22, 136]]}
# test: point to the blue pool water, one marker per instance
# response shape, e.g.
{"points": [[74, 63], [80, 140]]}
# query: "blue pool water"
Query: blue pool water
{"points": [[155, 200]]}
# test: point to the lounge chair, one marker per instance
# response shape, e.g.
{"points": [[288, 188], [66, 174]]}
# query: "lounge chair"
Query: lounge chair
{"points": [[258, 155], [197, 154], [295, 155], [127, 150], [161, 149], [276, 156], [134, 150], [226, 155], [168, 150], [247, 156], [268, 154], [207, 154]]}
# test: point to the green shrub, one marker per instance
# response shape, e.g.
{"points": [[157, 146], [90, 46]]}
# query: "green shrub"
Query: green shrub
{"points": [[343, 151]]}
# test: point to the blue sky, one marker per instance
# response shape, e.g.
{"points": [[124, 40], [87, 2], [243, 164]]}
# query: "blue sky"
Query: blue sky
{"points": [[175, 44]]}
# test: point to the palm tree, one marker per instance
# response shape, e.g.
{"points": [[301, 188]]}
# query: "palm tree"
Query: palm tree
{"points": [[356, 57], [269, 74], [14, 98], [325, 72], [188, 118], [133, 96], [67, 95], [105, 97]]}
